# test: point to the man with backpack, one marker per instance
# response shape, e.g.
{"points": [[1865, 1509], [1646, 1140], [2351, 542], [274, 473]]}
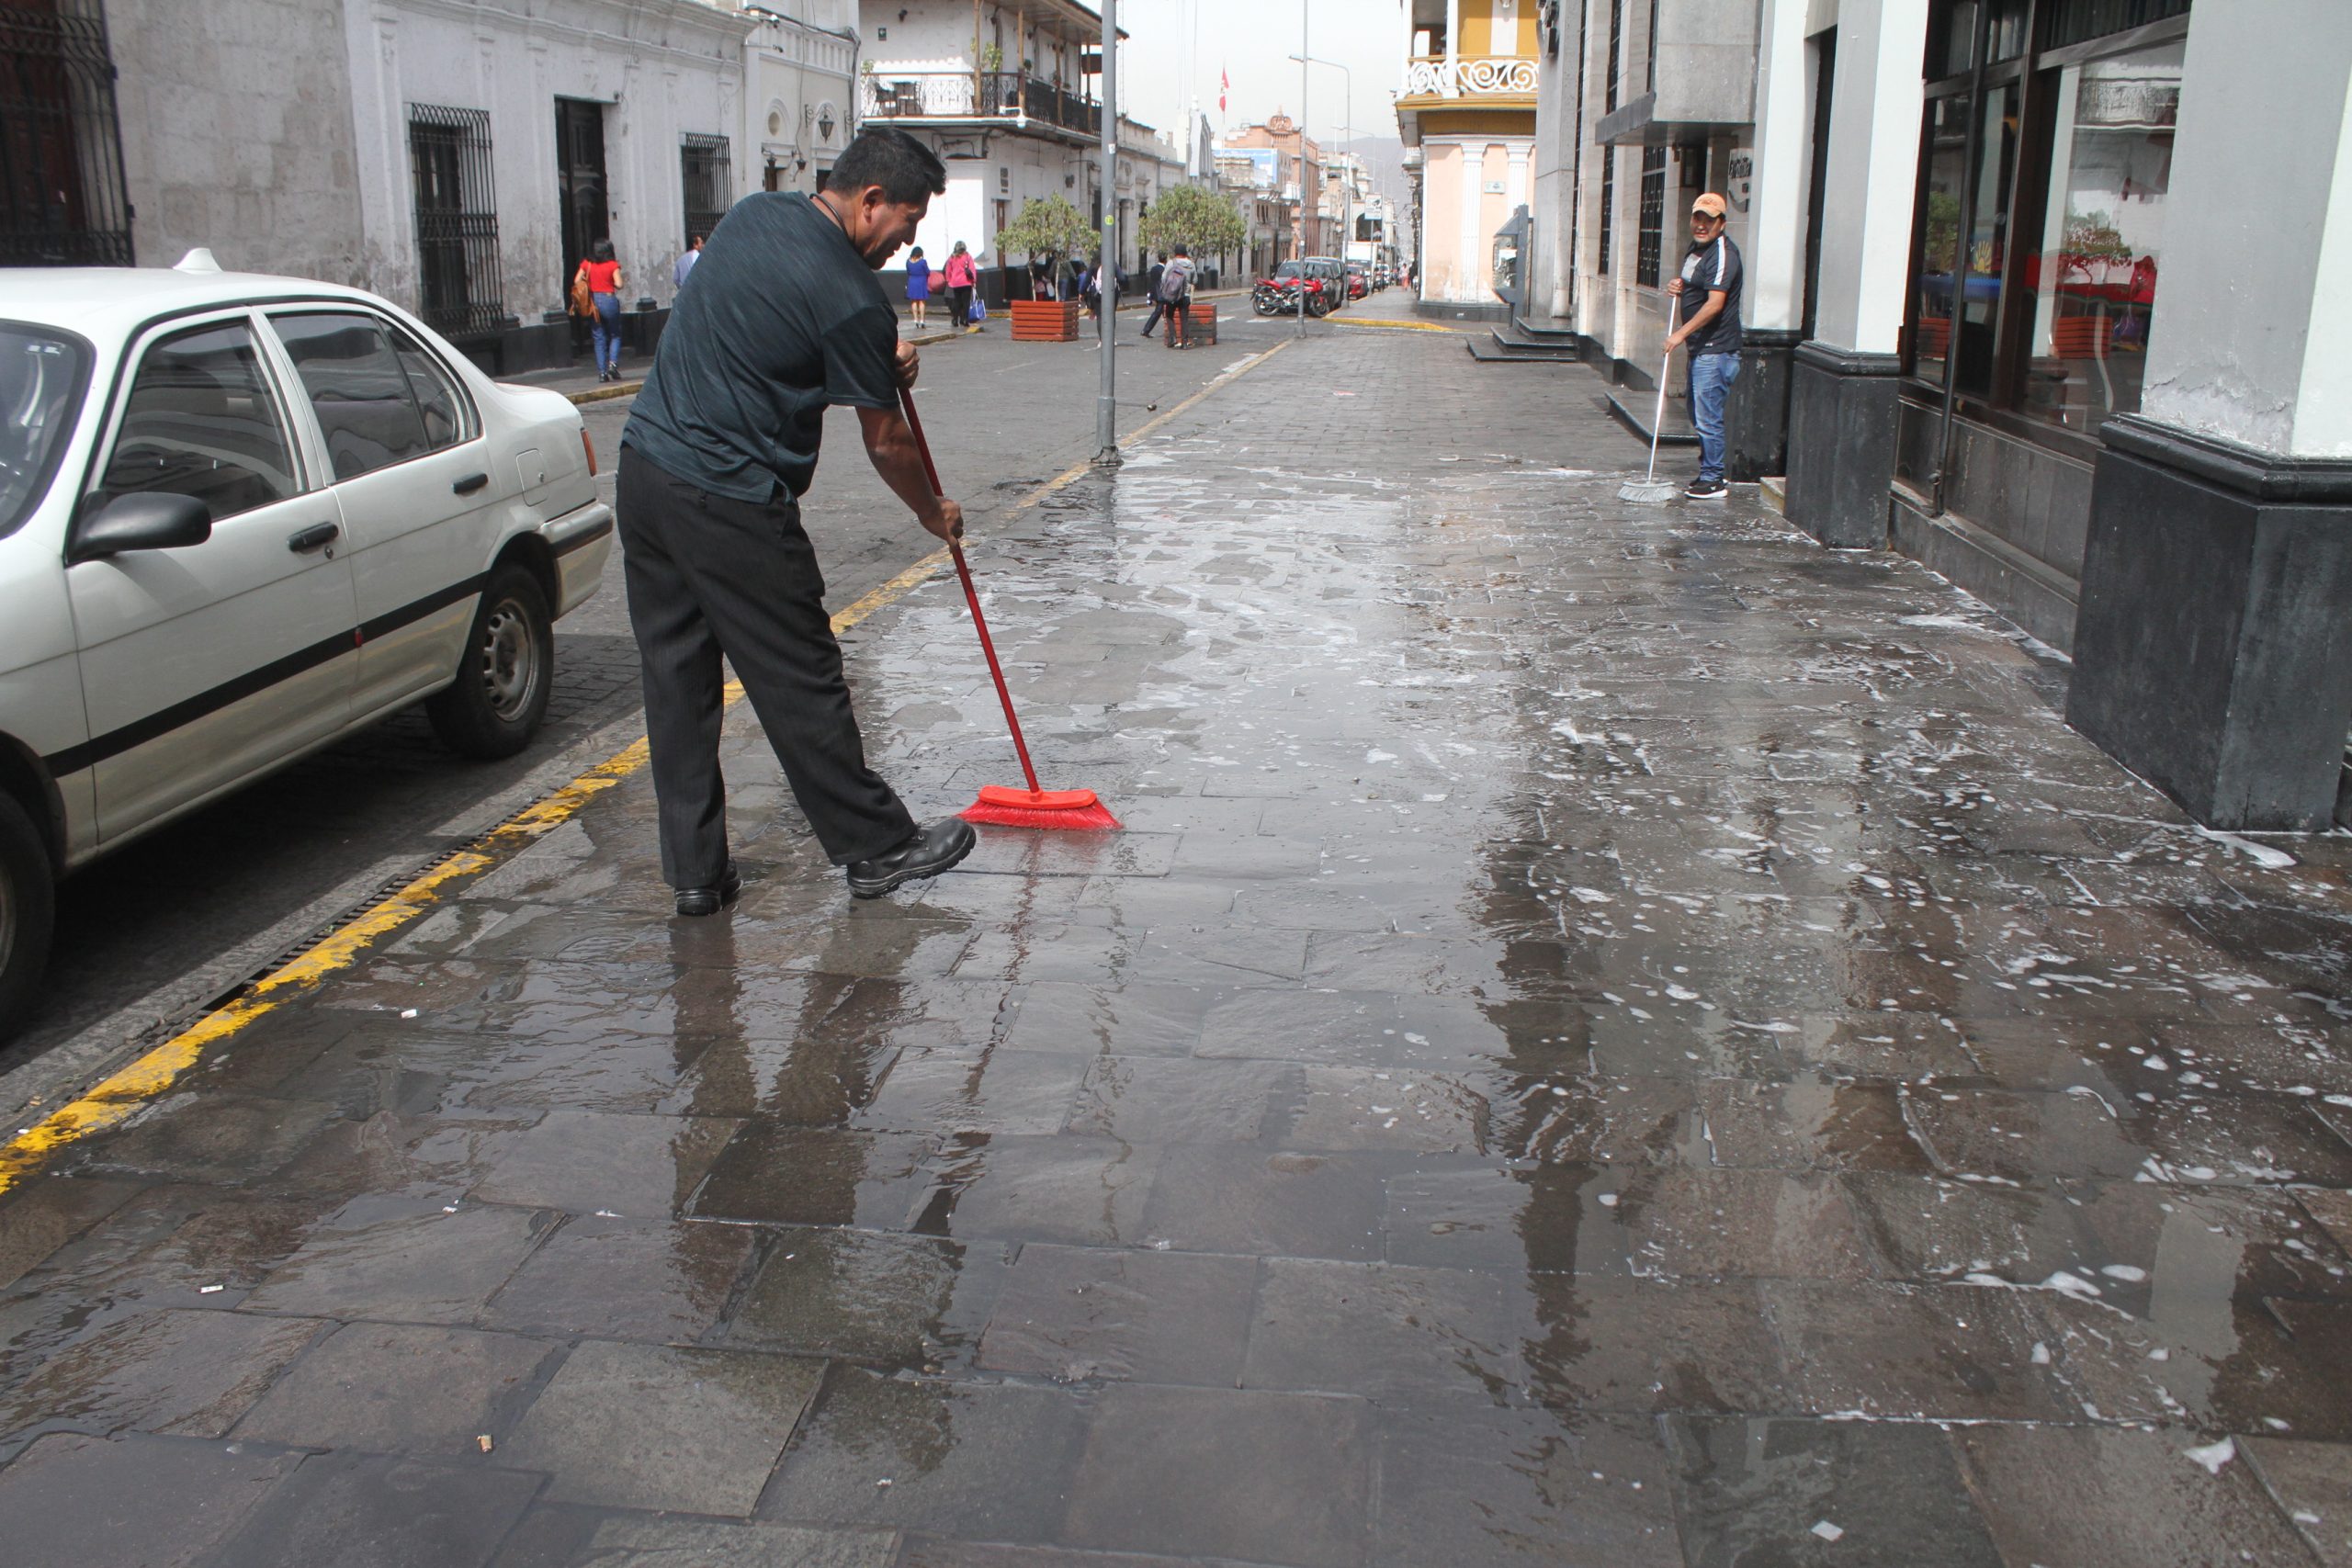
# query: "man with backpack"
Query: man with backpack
{"points": [[1175, 295], [1151, 289]]}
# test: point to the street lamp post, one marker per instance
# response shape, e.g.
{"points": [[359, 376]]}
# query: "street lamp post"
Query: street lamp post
{"points": [[1347, 187], [1106, 403], [1301, 58]]}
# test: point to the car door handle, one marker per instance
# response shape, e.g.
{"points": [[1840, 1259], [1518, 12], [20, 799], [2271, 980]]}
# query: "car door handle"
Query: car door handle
{"points": [[311, 538], [471, 483]]}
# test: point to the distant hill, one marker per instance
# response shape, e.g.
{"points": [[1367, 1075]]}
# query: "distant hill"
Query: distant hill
{"points": [[1383, 159]]}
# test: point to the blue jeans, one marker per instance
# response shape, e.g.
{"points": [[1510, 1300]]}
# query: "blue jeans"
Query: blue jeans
{"points": [[1711, 378], [604, 328]]}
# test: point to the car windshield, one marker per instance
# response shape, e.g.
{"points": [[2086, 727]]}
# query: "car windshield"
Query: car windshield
{"points": [[41, 373]]}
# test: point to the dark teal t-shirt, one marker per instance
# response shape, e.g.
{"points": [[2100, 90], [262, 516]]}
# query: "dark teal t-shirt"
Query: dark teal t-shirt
{"points": [[784, 319]]}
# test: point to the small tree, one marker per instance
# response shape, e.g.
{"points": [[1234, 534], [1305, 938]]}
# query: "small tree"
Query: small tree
{"points": [[1200, 220], [1047, 226]]}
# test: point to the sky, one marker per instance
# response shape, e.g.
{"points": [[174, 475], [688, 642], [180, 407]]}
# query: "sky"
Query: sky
{"points": [[1176, 47]]}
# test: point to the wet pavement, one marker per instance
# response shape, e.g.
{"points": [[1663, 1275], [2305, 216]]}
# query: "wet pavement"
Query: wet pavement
{"points": [[1610, 1036]]}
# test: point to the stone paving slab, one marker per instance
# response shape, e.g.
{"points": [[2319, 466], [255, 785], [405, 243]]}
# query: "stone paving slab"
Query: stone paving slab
{"points": [[1612, 1035]]}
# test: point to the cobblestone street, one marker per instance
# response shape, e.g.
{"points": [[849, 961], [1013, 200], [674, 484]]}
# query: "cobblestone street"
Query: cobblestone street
{"points": [[1610, 1035]]}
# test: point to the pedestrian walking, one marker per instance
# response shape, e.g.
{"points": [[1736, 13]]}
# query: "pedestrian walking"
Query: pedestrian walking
{"points": [[686, 262], [918, 286], [1151, 286], [1711, 331], [787, 321], [603, 275], [962, 276], [1090, 289], [1176, 291]]}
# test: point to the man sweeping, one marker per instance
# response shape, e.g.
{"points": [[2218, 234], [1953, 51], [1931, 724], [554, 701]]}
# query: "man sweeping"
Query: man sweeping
{"points": [[787, 321], [1709, 292]]}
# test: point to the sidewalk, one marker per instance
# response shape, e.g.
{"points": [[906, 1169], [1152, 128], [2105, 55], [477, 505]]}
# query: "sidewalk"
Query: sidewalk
{"points": [[1610, 1036]]}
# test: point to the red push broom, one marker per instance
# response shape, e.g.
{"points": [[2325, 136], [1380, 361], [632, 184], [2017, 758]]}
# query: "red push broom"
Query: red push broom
{"points": [[1003, 807]]}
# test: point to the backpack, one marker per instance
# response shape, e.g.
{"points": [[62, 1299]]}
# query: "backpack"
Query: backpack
{"points": [[1175, 281]]}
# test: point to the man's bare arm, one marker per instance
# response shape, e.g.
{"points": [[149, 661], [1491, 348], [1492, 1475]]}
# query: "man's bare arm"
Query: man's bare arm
{"points": [[890, 447]]}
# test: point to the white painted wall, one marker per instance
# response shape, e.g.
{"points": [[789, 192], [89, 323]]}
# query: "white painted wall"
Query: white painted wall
{"points": [[800, 77], [662, 68], [1873, 173], [238, 138], [2250, 339], [1774, 249]]}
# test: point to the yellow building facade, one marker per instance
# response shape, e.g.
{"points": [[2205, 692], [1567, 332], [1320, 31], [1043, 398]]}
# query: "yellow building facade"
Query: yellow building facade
{"points": [[1467, 117]]}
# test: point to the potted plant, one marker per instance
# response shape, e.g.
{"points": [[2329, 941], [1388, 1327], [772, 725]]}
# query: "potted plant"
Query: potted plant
{"points": [[1048, 227], [1206, 224]]}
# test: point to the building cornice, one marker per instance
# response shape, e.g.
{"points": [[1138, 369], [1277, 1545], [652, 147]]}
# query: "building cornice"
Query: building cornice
{"points": [[725, 29]]}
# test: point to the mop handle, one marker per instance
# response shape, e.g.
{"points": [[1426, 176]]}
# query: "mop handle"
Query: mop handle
{"points": [[1657, 420], [971, 595]]}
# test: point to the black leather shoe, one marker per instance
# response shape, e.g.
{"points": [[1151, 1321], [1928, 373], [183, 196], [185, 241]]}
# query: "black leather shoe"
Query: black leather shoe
{"points": [[930, 851], [711, 900]]}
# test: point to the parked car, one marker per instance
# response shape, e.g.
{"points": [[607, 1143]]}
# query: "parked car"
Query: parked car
{"points": [[1359, 281], [241, 517], [1333, 274]]}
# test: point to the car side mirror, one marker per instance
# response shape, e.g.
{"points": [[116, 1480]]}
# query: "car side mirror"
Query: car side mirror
{"points": [[147, 519]]}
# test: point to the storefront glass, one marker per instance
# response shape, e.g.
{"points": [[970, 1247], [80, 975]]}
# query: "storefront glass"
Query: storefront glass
{"points": [[2096, 282]]}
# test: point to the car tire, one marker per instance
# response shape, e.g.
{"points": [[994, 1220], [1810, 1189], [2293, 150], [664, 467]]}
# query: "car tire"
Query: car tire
{"points": [[495, 706], [27, 913]]}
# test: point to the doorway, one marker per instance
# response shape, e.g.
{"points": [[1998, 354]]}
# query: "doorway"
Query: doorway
{"points": [[1825, 69], [580, 192]]}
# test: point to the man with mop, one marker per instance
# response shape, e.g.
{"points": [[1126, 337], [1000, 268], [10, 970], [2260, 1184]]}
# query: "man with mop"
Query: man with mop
{"points": [[1711, 272], [788, 319]]}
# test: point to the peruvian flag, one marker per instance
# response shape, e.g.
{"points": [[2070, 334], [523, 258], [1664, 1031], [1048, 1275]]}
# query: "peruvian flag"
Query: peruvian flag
{"points": [[1224, 83]]}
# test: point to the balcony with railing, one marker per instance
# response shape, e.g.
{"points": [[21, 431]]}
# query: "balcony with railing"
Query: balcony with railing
{"points": [[916, 97], [1471, 80]]}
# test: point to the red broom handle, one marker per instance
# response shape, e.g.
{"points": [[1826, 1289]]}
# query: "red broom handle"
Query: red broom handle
{"points": [[971, 595]]}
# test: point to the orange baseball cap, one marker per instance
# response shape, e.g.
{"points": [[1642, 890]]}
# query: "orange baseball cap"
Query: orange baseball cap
{"points": [[1711, 204]]}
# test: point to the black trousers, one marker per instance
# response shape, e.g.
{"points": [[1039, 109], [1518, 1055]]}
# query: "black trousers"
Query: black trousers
{"points": [[709, 575], [960, 305], [1159, 308]]}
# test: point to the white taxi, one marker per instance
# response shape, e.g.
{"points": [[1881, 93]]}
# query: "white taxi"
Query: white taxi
{"points": [[241, 517]]}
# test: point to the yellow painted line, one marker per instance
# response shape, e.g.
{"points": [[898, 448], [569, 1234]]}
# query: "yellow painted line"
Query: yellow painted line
{"points": [[1396, 326], [121, 1093]]}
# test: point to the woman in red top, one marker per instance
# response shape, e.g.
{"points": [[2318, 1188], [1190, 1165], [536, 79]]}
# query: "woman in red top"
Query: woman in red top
{"points": [[604, 286], [961, 276]]}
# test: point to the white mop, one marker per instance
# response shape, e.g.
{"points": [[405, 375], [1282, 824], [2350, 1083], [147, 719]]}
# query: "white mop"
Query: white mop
{"points": [[1651, 490]]}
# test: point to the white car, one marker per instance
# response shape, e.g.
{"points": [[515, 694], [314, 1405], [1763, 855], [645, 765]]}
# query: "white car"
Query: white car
{"points": [[239, 517]]}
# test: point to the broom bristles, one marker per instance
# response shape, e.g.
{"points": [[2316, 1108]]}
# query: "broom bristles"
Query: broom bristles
{"points": [[1058, 808]]}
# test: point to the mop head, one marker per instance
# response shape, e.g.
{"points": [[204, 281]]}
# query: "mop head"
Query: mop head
{"points": [[1038, 808], [1648, 492]]}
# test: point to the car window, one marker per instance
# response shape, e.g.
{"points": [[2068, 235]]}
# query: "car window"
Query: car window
{"points": [[41, 375], [357, 388], [202, 421], [448, 416]]}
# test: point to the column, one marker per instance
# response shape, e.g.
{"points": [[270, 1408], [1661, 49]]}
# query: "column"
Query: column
{"points": [[1470, 266], [1756, 416], [1515, 181], [2212, 654], [1842, 386]]}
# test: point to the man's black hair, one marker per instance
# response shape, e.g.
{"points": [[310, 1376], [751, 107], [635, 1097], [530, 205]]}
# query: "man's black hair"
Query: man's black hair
{"points": [[907, 171], [1183, 252]]}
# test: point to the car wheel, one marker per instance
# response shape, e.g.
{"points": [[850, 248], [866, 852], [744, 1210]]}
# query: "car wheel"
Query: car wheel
{"points": [[495, 706], [27, 913]]}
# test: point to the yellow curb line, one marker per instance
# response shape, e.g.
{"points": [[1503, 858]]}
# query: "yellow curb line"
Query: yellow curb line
{"points": [[601, 393], [1396, 326], [121, 1093]]}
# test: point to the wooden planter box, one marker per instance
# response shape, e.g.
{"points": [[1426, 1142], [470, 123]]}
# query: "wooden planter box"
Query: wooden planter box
{"points": [[1200, 326], [1043, 320]]}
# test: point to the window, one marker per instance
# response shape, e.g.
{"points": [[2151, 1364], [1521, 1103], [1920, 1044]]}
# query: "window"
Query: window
{"points": [[41, 378], [2095, 288], [458, 286], [1608, 204], [62, 196], [2042, 184], [202, 421], [1651, 238], [703, 176], [357, 389], [448, 416], [1616, 52]]}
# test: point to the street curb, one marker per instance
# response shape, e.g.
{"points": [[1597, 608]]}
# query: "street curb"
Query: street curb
{"points": [[623, 389]]}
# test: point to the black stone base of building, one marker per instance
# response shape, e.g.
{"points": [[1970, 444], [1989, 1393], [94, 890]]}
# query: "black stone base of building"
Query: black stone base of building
{"points": [[554, 341], [1755, 414], [2212, 655], [1840, 455]]}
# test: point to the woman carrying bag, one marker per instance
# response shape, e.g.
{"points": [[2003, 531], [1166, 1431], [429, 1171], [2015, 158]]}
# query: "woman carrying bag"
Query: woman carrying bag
{"points": [[961, 276], [602, 274]]}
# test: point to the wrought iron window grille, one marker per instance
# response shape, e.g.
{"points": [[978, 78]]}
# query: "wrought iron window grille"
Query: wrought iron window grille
{"points": [[459, 288]]}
